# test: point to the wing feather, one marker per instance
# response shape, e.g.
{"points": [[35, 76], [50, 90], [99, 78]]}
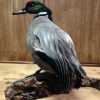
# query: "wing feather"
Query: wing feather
{"points": [[59, 52]]}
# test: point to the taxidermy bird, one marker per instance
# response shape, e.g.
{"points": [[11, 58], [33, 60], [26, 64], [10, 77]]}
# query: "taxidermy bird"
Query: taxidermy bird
{"points": [[52, 48]]}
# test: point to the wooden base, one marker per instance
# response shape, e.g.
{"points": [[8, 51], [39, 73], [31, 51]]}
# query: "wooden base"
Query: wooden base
{"points": [[12, 72]]}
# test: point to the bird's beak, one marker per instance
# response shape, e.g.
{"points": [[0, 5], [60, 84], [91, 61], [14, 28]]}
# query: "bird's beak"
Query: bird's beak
{"points": [[23, 11]]}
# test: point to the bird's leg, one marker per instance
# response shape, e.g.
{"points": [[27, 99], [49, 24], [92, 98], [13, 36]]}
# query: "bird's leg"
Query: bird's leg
{"points": [[36, 73]]}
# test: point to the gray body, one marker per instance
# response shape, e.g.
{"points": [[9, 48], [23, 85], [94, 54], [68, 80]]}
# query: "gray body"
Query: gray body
{"points": [[47, 38]]}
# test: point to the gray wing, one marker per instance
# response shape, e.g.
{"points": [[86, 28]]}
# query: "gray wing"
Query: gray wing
{"points": [[56, 48]]}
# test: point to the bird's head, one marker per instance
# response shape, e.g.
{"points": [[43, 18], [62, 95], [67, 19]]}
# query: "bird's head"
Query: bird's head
{"points": [[33, 7]]}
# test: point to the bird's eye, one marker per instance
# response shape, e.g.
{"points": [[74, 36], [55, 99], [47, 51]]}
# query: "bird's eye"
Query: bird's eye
{"points": [[32, 4]]}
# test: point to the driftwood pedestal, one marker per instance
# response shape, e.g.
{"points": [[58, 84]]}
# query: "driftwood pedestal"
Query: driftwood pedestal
{"points": [[35, 86]]}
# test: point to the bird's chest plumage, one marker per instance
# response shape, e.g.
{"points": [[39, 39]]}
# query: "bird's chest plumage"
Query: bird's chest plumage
{"points": [[39, 36], [34, 45], [32, 40]]}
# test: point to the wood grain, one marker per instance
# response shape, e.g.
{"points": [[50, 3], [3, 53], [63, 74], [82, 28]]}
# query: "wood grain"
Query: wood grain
{"points": [[13, 31], [80, 18]]}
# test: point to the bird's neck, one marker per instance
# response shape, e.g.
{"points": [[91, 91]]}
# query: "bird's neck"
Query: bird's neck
{"points": [[44, 14]]}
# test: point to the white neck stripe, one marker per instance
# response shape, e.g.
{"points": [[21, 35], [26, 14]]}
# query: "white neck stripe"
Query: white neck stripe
{"points": [[42, 13]]}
